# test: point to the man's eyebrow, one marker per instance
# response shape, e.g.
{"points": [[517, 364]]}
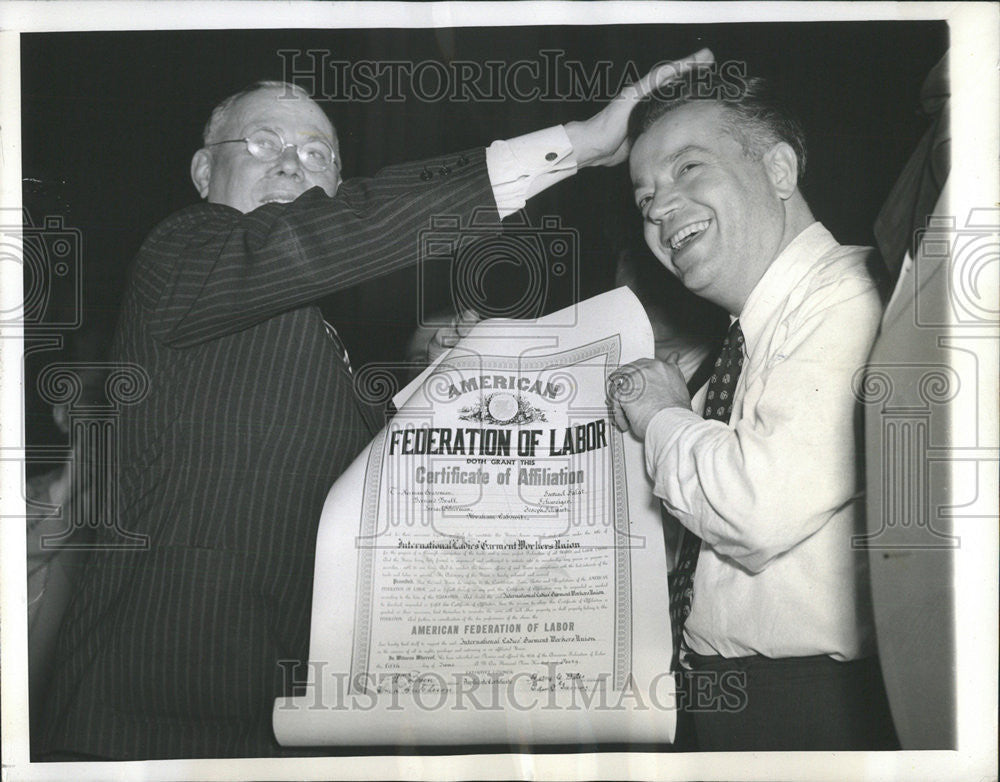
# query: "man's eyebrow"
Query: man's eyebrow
{"points": [[672, 158], [683, 151], [253, 127], [313, 135]]}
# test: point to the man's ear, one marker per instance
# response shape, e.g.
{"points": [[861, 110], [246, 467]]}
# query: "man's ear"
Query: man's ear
{"points": [[201, 171], [783, 169]]}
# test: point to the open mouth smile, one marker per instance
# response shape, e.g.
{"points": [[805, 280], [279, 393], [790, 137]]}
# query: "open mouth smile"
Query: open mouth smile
{"points": [[688, 234]]}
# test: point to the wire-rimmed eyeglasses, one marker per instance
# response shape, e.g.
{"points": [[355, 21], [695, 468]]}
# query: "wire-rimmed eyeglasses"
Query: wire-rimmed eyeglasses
{"points": [[268, 145]]}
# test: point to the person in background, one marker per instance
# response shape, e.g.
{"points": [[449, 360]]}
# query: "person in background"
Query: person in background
{"points": [[60, 524]]}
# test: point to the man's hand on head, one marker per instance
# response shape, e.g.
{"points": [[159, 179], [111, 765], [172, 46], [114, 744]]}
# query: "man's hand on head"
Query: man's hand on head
{"points": [[602, 139], [638, 391]]}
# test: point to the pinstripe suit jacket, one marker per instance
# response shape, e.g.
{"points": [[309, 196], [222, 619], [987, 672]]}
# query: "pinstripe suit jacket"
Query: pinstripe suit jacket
{"points": [[173, 651]]}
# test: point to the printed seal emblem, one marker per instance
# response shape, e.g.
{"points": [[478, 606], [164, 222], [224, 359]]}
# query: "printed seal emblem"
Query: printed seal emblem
{"points": [[502, 409]]}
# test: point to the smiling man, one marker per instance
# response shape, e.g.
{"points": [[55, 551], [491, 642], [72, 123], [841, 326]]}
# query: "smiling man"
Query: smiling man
{"points": [[766, 585], [174, 651]]}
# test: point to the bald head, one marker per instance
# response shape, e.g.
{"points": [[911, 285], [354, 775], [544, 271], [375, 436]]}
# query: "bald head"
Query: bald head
{"points": [[226, 173]]}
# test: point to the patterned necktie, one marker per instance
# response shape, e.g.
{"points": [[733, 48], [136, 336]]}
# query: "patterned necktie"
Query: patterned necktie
{"points": [[338, 343], [718, 407]]}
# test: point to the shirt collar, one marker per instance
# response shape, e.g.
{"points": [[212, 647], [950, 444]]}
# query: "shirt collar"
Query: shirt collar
{"points": [[781, 277]]}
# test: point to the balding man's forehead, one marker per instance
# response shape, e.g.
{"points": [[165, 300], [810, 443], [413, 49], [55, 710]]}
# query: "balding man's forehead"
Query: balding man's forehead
{"points": [[280, 104]]}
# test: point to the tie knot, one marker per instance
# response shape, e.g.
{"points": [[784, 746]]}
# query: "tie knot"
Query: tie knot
{"points": [[735, 334], [731, 350]]}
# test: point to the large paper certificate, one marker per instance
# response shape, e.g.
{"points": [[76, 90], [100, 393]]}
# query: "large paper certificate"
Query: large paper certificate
{"points": [[491, 569]]}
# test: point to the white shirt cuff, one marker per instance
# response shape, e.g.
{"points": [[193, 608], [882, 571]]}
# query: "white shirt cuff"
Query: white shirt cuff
{"points": [[524, 166]]}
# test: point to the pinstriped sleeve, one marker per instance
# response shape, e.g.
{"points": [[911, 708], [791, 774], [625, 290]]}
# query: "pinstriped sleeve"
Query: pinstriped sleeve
{"points": [[209, 270]]}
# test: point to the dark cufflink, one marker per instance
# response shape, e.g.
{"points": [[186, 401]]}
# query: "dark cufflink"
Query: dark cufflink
{"points": [[426, 174], [550, 156]]}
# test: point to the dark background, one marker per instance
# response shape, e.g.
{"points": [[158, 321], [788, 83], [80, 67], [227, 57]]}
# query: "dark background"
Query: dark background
{"points": [[110, 121]]}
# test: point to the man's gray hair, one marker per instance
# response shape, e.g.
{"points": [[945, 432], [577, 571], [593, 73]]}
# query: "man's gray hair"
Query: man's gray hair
{"points": [[220, 112]]}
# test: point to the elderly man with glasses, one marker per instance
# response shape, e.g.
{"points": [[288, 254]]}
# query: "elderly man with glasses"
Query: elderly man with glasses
{"points": [[174, 651]]}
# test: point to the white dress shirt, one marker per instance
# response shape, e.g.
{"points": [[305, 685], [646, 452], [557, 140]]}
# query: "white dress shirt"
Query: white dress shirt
{"points": [[524, 166], [776, 495]]}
